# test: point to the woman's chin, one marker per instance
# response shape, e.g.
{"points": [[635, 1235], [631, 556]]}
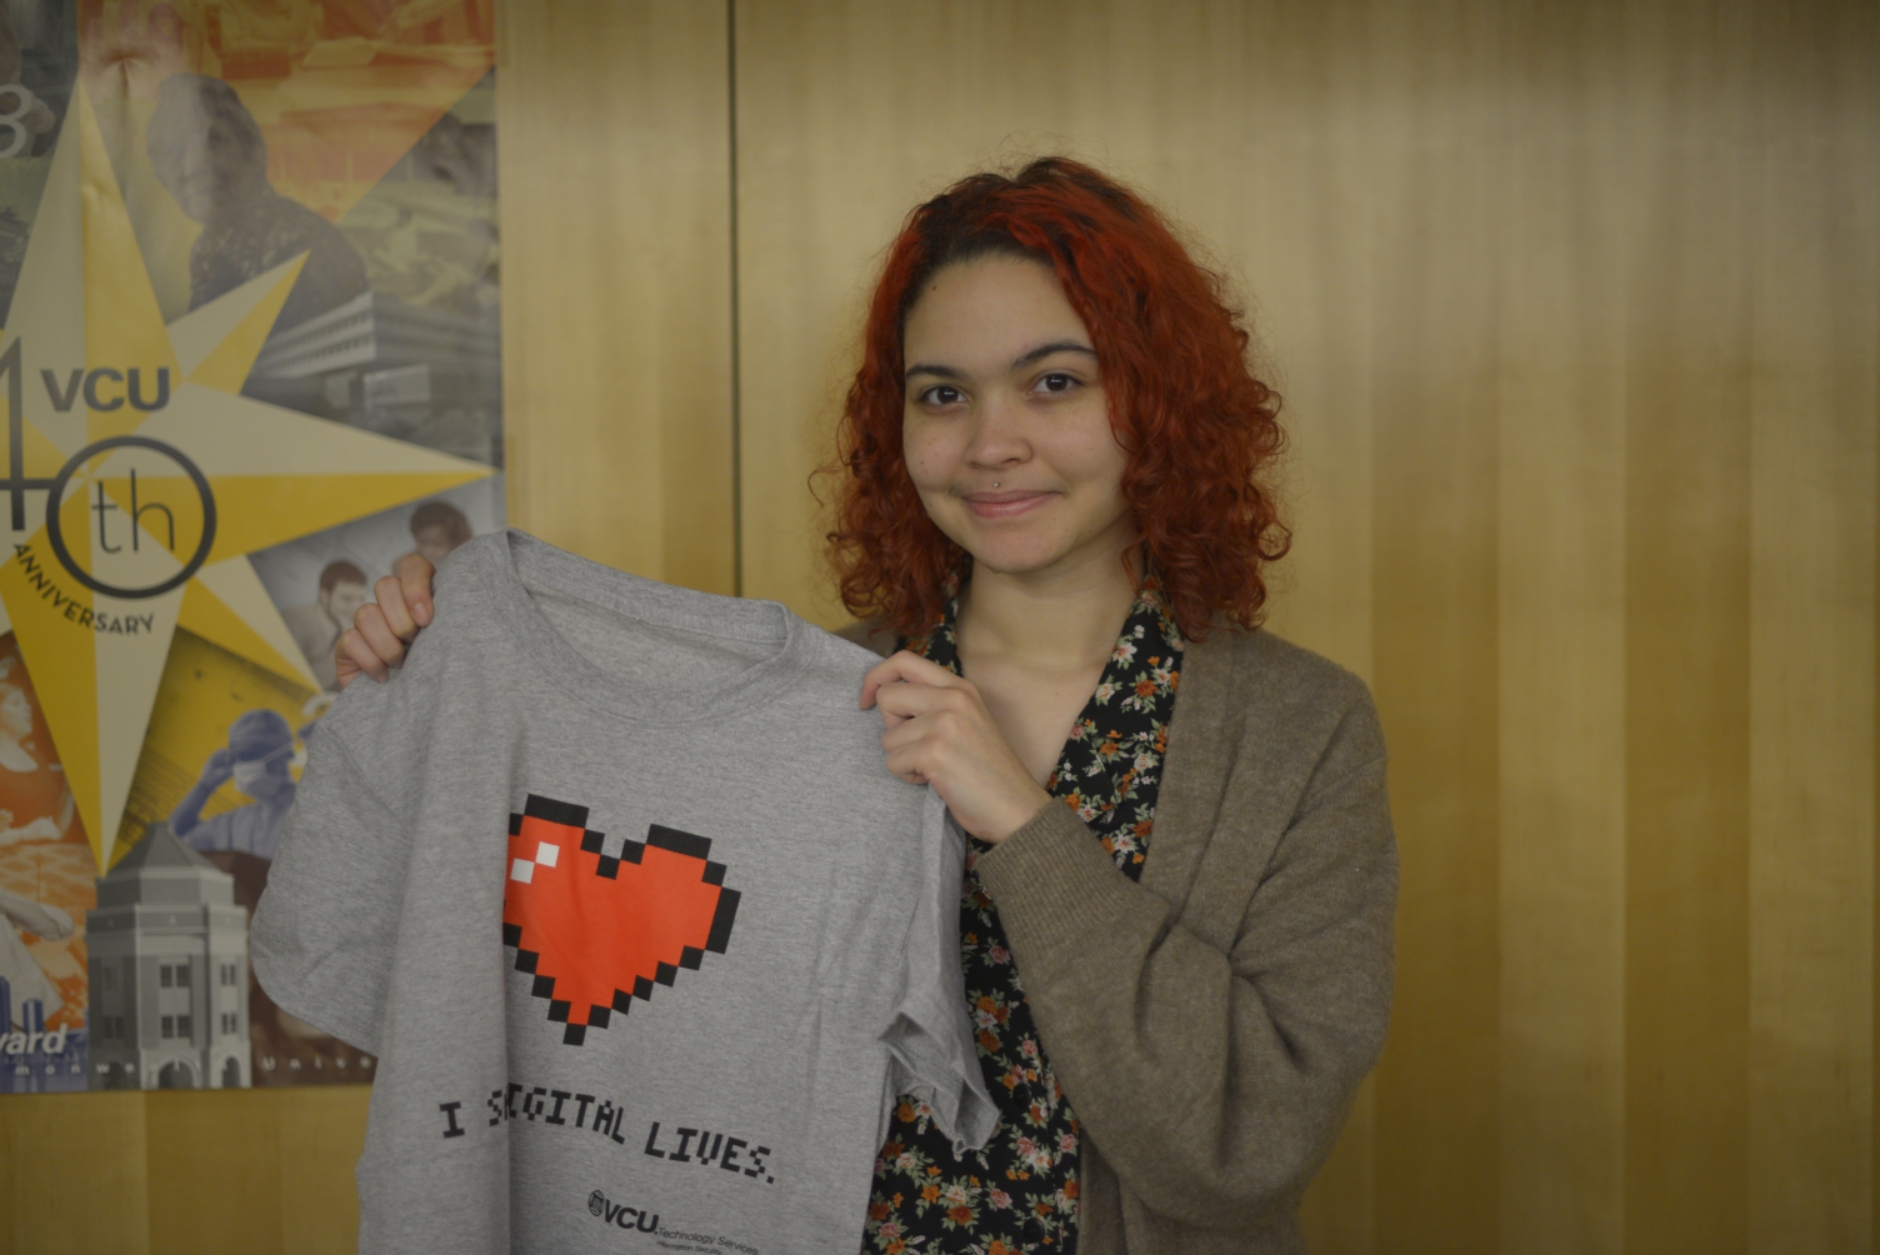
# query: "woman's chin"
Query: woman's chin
{"points": [[1021, 561]]}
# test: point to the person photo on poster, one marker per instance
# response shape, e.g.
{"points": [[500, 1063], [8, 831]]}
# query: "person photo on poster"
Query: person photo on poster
{"points": [[32, 784], [25, 984], [260, 745], [317, 625], [45, 890], [438, 528], [210, 155], [339, 565], [24, 776], [29, 121]]}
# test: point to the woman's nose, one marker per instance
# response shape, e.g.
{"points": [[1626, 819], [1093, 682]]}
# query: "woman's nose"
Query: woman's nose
{"points": [[998, 431]]}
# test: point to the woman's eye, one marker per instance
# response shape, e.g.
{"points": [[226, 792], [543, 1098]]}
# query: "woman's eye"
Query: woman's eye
{"points": [[1057, 382], [939, 394]]}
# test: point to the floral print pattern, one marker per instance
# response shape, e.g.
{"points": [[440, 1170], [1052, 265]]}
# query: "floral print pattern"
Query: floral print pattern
{"points": [[1020, 1193]]}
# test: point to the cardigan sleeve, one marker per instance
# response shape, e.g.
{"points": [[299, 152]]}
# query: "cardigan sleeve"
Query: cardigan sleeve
{"points": [[1214, 1073]]}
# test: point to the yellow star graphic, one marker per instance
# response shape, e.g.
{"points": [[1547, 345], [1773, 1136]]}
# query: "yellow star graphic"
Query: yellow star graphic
{"points": [[137, 478]]}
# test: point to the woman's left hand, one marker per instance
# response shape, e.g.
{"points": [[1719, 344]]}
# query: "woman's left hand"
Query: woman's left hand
{"points": [[939, 732]]}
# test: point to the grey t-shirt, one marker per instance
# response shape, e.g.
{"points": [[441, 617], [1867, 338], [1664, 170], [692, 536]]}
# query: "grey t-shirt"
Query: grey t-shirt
{"points": [[613, 881]]}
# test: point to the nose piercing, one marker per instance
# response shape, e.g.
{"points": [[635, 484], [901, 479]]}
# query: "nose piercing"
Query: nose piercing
{"points": [[995, 483]]}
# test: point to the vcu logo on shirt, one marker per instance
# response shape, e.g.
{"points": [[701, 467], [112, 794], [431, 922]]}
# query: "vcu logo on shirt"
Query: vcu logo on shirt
{"points": [[613, 1213], [597, 931]]}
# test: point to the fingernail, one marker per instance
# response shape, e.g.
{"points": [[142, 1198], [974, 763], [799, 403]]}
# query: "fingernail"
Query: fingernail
{"points": [[422, 613]]}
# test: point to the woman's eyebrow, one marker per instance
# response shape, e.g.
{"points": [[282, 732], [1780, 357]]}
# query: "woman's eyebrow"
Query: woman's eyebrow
{"points": [[937, 371], [1046, 350], [1019, 363]]}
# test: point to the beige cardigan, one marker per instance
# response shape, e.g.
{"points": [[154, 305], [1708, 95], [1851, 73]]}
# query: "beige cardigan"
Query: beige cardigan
{"points": [[1211, 1023]]}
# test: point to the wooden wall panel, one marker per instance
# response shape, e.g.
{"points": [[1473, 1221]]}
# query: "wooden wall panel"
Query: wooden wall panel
{"points": [[226, 1201], [322, 1132], [73, 1178], [1572, 308], [1687, 639], [221, 1172], [1812, 278], [1435, 582], [615, 150], [1561, 522]]}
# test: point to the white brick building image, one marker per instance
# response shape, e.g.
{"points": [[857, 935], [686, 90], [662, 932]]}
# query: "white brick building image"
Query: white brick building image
{"points": [[169, 972]]}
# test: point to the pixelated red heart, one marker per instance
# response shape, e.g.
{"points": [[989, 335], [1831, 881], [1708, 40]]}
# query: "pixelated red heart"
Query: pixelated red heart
{"points": [[598, 931]]}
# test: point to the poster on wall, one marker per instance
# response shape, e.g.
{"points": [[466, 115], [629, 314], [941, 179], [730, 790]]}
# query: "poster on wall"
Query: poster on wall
{"points": [[249, 359]]}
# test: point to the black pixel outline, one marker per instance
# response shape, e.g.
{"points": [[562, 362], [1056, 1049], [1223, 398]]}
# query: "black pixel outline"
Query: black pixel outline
{"points": [[570, 815]]}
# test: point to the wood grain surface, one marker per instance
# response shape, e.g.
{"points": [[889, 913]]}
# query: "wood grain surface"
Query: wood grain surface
{"points": [[613, 125]]}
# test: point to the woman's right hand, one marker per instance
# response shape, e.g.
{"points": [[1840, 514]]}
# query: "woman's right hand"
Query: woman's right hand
{"points": [[381, 629]]}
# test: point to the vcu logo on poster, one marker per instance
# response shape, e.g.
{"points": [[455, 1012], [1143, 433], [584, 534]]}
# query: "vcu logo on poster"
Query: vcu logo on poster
{"points": [[129, 516]]}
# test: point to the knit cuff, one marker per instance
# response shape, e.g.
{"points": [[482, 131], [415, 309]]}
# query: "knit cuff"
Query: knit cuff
{"points": [[1053, 877]]}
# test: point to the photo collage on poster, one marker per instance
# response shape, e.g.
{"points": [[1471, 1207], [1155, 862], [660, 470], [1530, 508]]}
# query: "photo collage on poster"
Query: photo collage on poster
{"points": [[303, 196]]}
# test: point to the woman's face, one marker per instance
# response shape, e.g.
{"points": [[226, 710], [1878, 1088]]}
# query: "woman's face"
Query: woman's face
{"points": [[200, 159], [1006, 429], [16, 712]]}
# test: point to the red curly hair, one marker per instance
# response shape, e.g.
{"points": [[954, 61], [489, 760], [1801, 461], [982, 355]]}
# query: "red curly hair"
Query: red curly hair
{"points": [[1200, 428]]}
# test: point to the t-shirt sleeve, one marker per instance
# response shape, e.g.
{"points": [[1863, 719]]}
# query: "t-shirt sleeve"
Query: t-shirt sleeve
{"points": [[931, 1039], [326, 928]]}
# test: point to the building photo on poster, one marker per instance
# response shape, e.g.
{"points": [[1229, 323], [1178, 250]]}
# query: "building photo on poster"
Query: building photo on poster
{"points": [[249, 358]]}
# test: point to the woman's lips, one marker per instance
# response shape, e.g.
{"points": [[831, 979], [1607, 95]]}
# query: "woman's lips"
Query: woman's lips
{"points": [[1004, 505]]}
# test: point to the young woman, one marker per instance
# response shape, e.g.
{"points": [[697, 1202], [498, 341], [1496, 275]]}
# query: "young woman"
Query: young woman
{"points": [[1052, 512]]}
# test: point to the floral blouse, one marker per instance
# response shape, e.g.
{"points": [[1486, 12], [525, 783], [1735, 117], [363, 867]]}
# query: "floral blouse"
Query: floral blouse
{"points": [[1020, 1192]]}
